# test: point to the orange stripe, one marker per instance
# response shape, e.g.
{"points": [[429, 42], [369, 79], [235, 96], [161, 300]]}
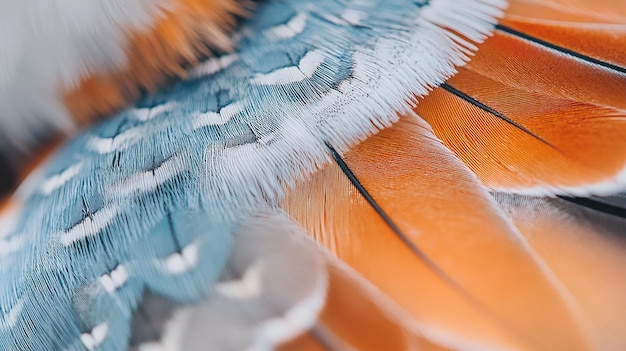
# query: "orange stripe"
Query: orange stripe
{"points": [[188, 31]]}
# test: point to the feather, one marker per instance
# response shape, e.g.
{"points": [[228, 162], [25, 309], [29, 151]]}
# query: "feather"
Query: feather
{"points": [[358, 316], [538, 110], [526, 65], [527, 142], [594, 42], [585, 248], [433, 202], [596, 11], [259, 301]]}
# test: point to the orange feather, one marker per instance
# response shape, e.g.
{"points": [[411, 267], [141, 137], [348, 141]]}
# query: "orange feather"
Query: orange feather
{"points": [[189, 31], [587, 252], [442, 210], [529, 141]]}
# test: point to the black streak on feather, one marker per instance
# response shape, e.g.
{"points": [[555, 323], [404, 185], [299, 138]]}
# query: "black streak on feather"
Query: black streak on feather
{"points": [[390, 223], [456, 92], [560, 49], [8, 176], [596, 206], [418, 252], [170, 224]]}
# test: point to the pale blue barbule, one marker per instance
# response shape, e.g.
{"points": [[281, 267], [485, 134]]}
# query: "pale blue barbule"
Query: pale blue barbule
{"points": [[147, 203]]}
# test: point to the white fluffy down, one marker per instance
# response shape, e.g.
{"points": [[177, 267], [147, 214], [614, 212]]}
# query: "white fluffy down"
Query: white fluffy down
{"points": [[46, 46]]}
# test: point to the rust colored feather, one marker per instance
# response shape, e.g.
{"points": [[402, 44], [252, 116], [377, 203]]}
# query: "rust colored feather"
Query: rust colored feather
{"points": [[467, 276], [527, 142], [587, 251]]}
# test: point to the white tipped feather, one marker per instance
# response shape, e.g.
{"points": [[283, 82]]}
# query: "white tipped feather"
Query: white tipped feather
{"points": [[267, 303]]}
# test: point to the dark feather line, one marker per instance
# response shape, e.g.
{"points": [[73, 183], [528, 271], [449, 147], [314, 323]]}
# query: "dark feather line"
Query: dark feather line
{"points": [[419, 253], [560, 49], [8, 176], [596, 205], [385, 217], [456, 92], [170, 225]]}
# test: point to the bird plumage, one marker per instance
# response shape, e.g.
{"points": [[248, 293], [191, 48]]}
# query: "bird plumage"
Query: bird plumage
{"points": [[338, 182], [65, 63]]}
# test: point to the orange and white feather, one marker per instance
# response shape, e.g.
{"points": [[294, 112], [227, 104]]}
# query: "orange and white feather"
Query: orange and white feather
{"points": [[64, 63]]}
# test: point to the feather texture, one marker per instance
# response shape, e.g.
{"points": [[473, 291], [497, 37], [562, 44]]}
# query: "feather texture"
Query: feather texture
{"points": [[590, 247], [540, 109], [181, 222], [528, 142], [259, 301], [432, 262], [136, 190]]}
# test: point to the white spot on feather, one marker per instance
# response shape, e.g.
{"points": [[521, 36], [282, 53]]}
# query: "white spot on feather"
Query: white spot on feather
{"points": [[354, 17], [290, 29], [9, 319], [218, 118], [90, 226], [297, 319], [213, 65], [179, 263], [115, 279], [117, 143], [311, 61], [247, 287], [96, 337], [150, 180], [146, 113], [58, 180]]}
